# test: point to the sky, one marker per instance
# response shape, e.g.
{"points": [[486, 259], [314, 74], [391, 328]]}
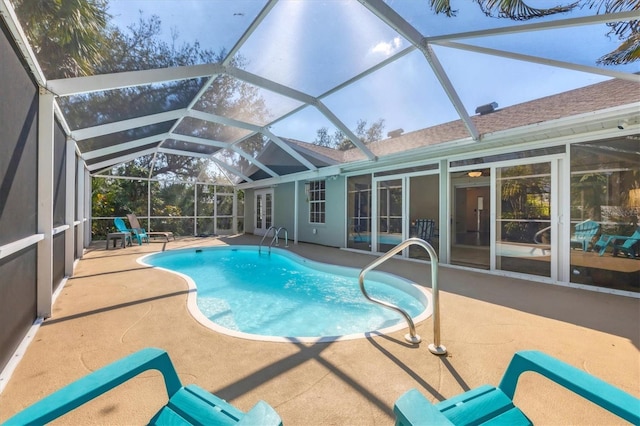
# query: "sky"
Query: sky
{"points": [[315, 45]]}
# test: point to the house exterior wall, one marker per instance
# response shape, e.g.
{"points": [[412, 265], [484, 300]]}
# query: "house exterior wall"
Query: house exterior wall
{"points": [[332, 232]]}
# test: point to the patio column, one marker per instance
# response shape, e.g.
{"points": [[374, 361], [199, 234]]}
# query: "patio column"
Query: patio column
{"points": [[296, 202], [443, 231], [79, 220], [45, 203], [69, 209], [86, 211]]}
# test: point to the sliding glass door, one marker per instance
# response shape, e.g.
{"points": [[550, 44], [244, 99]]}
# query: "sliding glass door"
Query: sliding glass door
{"points": [[523, 219]]}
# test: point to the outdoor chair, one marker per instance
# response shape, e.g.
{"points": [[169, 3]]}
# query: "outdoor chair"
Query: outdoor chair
{"points": [[187, 405], [619, 243], [138, 233], [425, 229], [584, 233], [133, 221], [494, 405]]}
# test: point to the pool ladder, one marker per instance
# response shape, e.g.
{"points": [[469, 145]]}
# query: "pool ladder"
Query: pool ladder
{"points": [[276, 233], [435, 348]]}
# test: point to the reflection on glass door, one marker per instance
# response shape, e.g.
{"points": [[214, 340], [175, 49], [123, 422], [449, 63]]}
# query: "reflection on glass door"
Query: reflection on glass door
{"points": [[263, 211], [424, 211], [523, 219], [359, 211], [389, 214], [470, 245]]}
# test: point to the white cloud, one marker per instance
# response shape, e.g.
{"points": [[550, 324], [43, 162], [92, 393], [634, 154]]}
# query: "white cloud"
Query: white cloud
{"points": [[388, 48]]}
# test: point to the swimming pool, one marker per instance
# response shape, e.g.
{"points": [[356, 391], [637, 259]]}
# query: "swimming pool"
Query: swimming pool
{"points": [[283, 297]]}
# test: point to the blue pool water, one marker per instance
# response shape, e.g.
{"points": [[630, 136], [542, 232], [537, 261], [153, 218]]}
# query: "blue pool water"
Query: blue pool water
{"points": [[282, 294]]}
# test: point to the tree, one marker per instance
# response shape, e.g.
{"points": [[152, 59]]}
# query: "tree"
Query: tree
{"points": [[69, 37], [628, 32], [341, 142]]}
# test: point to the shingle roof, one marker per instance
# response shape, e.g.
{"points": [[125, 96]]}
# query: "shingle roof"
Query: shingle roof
{"points": [[587, 99]]}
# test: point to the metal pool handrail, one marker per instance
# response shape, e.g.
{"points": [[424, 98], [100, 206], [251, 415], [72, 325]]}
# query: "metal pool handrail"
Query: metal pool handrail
{"points": [[276, 232], [435, 348], [286, 236], [275, 235]]}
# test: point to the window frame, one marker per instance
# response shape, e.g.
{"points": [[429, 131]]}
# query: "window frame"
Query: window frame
{"points": [[317, 197]]}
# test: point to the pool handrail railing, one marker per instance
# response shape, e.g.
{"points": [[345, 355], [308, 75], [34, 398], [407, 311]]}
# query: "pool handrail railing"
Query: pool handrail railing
{"points": [[435, 348], [276, 233]]}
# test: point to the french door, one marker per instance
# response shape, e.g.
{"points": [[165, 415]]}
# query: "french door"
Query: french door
{"points": [[263, 211]]}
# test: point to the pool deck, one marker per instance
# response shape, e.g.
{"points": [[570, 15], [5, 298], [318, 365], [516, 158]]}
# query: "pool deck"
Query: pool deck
{"points": [[114, 306]]}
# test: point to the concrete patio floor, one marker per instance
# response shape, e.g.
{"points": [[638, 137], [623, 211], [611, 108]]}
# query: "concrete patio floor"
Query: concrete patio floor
{"points": [[113, 306]]}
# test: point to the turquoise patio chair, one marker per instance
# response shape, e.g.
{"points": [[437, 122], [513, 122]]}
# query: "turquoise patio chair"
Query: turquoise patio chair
{"points": [[619, 243], [139, 233], [584, 233], [488, 404], [187, 405]]}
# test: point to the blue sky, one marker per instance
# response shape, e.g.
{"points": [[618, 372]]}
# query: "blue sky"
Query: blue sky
{"points": [[315, 45]]}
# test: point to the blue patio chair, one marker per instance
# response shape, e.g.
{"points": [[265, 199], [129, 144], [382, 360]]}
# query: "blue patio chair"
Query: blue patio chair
{"points": [[488, 404], [187, 405], [619, 243], [584, 233], [139, 233]]}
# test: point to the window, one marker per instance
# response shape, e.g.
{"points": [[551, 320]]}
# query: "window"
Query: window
{"points": [[317, 201]]}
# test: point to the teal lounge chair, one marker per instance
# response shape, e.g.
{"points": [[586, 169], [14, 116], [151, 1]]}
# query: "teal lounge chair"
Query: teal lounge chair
{"points": [[488, 404], [139, 233], [584, 234], [187, 405], [620, 243]]}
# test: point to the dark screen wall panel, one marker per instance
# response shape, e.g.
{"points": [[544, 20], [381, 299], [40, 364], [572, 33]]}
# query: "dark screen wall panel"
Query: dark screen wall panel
{"points": [[58, 259], [18, 195], [17, 299], [59, 175], [18, 146]]}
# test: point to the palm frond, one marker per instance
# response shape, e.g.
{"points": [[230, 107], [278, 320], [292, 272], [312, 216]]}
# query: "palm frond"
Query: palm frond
{"points": [[518, 10]]}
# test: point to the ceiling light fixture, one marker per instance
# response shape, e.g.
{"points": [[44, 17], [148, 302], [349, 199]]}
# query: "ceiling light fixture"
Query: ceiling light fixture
{"points": [[475, 173]]}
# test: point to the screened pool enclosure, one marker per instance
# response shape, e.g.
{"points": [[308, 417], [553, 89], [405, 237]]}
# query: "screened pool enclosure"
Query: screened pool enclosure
{"points": [[352, 124]]}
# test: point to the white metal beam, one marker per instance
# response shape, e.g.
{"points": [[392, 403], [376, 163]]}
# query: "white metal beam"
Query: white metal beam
{"points": [[292, 152], [206, 116], [70, 207], [540, 26], [223, 145], [254, 25], [348, 133], [119, 126], [119, 160], [195, 139], [397, 22], [96, 153], [252, 127], [121, 80], [543, 61], [82, 194], [46, 143], [271, 85], [222, 164]]}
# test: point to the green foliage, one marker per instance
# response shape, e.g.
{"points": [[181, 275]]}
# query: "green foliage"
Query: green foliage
{"points": [[69, 37], [340, 141]]}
